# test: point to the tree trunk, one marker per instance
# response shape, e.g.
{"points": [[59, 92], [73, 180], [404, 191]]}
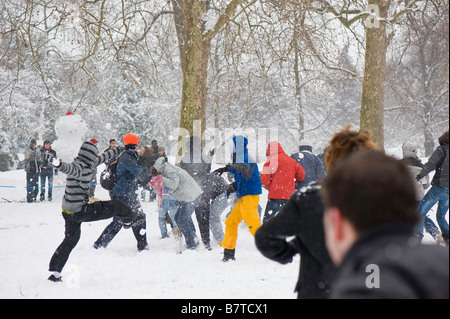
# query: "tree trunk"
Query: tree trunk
{"points": [[372, 102], [194, 45], [298, 92]]}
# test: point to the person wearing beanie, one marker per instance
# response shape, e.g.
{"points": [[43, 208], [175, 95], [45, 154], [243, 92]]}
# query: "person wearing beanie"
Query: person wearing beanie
{"points": [[313, 166], [32, 167], [438, 193], [76, 208], [131, 176], [47, 153]]}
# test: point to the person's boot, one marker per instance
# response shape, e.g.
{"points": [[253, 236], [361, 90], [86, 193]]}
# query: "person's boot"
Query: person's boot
{"points": [[443, 239], [177, 233], [419, 237], [228, 254], [55, 277]]}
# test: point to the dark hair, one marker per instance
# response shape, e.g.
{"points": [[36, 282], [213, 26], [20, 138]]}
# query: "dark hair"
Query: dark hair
{"points": [[443, 139], [370, 188], [130, 146], [147, 152], [111, 140]]}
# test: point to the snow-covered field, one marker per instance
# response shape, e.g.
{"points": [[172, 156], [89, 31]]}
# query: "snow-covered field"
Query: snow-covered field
{"points": [[30, 233]]}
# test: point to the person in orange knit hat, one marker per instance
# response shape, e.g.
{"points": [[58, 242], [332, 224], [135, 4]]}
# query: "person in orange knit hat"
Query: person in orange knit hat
{"points": [[131, 175]]}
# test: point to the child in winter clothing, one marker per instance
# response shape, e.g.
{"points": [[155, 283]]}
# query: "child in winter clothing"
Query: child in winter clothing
{"points": [[279, 175], [248, 188], [438, 193], [75, 203], [166, 205]]}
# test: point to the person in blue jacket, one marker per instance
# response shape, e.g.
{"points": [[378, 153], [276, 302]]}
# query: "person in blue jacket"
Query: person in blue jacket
{"points": [[248, 188], [131, 175]]}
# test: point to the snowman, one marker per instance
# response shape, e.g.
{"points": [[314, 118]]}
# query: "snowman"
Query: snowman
{"points": [[71, 130]]}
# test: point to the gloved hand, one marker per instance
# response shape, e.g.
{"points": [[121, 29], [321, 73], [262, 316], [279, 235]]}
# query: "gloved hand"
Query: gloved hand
{"points": [[231, 189], [55, 162], [153, 171], [222, 170]]}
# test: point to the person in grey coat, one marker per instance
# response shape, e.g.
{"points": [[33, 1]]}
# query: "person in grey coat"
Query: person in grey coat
{"points": [[313, 166], [186, 191], [438, 193], [32, 167], [75, 203]]}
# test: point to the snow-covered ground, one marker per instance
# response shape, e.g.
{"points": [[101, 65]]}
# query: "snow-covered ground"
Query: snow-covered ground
{"points": [[30, 233]]}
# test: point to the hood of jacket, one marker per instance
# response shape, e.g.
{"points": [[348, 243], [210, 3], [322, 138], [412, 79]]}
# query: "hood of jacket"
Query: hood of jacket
{"points": [[159, 164], [88, 153], [274, 148], [409, 149], [238, 149]]}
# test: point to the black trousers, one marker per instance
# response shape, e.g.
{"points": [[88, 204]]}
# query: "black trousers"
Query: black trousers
{"points": [[32, 186], [90, 212], [139, 226], [202, 213]]}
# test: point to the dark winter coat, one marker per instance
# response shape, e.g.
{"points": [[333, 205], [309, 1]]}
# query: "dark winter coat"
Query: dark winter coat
{"points": [[193, 161], [280, 172], [438, 161], [313, 166], [300, 217], [131, 176], [46, 156], [32, 160], [79, 174], [406, 269]]}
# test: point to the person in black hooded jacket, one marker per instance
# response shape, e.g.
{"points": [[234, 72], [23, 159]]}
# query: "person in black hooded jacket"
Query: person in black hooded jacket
{"points": [[301, 217]]}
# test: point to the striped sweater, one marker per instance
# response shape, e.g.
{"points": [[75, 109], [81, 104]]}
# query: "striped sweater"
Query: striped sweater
{"points": [[79, 175]]}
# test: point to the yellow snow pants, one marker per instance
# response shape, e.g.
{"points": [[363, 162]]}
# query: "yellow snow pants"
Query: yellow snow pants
{"points": [[246, 209]]}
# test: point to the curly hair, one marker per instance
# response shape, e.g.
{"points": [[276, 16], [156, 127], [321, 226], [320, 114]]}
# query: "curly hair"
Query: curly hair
{"points": [[345, 143]]}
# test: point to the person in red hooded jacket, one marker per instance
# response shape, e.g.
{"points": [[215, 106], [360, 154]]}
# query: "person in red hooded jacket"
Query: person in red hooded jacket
{"points": [[279, 175]]}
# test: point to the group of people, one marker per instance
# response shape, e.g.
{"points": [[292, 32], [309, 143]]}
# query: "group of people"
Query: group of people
{"points": [[362, 211], [37, 166]]}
